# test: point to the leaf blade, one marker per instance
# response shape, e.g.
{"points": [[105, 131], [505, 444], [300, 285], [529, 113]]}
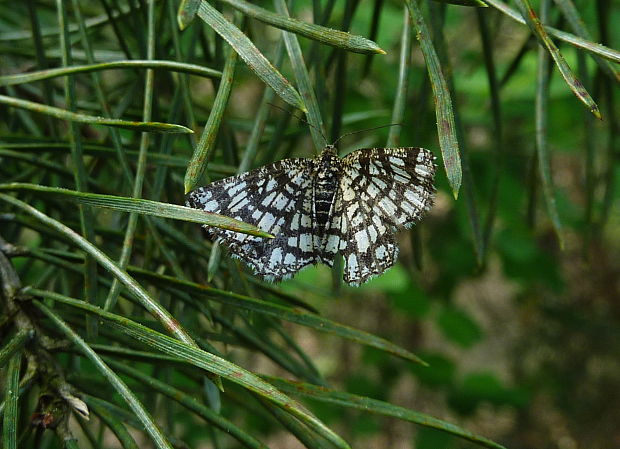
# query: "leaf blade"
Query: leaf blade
{"points": [[544, 159], [535, 24], [250, 54], [11, 408], [576, 41], [29, 77], [446, 128], [198, 163], [14, 345], [571, 13], [380, 407], [302, 76], [93, 120], [325, 35], [141, 206], [283, 312], [187, 12]]}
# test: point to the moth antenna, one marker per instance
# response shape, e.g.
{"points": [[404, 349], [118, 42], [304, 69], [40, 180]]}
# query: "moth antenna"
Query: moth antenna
{"points": [[364, 130], [302, 120]]}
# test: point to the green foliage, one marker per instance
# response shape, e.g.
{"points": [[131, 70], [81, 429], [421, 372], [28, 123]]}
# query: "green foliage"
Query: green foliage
{"points": [[115, 308], [484, 387], [458, 327]]}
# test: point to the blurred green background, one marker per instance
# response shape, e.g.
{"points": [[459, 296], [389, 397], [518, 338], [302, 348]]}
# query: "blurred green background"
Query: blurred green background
{"points": [[521, 332]]}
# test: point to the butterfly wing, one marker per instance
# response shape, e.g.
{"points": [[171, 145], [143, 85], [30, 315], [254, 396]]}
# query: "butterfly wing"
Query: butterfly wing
{"points": [[381, 190], [278, 199]]}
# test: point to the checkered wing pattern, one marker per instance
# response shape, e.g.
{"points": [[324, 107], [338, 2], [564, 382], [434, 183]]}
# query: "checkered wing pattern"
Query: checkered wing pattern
{"points": [[319, 208], [278, 198], [381, 190]]}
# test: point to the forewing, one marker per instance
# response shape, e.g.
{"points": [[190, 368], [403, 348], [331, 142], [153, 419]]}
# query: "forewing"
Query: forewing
{"points": [[278, 199], [381, 189], [395, 183]]}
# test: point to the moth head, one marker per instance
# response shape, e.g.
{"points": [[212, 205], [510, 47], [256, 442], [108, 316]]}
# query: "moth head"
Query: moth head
{"points": [[329, 149]]}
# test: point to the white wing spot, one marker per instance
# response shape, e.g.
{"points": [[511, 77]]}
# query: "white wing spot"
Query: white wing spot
{"points": [[240, 205], [272, 184], [397, 161], [414, 198], [372, 191], [380, 252], [401, 173], [332, 244], [266, 222], [211, 206], [276, 257], [236, 187], [306, 221], [379, 224], [361, 238], [388, 206], [305, 242], [352, 265], [295, 222], [357, 219], [372, 232], [348, 194], [380, 183], [281, 201], [402, 179], [269, 198]]}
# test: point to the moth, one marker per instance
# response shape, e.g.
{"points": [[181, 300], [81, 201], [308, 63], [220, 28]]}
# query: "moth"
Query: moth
{"points": [[320, 207]]}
